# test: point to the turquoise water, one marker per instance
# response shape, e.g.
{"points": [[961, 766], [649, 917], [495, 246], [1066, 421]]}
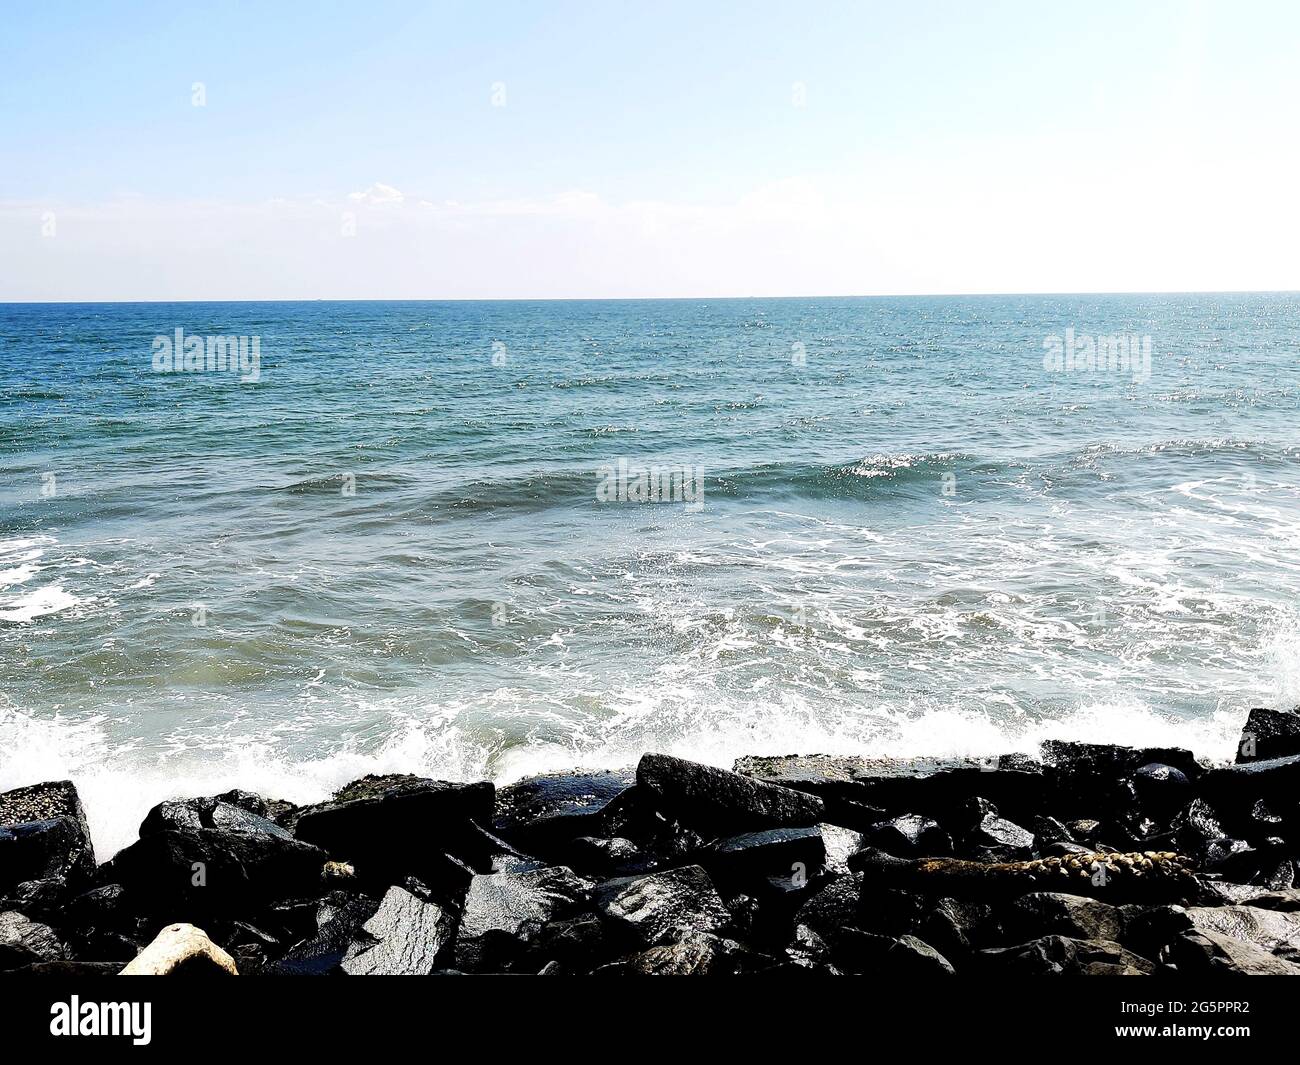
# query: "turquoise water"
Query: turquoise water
{"points": [[389, 550]]}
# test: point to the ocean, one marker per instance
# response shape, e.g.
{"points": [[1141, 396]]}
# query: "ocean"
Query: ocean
{"points": [[489, 539]]}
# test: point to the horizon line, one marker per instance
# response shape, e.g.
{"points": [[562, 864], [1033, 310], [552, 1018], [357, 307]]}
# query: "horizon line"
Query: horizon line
{"points": [[652, 299]]}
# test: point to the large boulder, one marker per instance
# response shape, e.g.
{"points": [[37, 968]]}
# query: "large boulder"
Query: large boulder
{"points": [[393, 827], [1269, 734], [1237, 787], [720, 802], [1211, 953], [232, 812], [772, 852], [407, 936], [505, 914], [1270, 930], [1053, 913], [170, 874], [44, 834], [662, 906], [903, 956], [337, 923], [541, 813], [908, 836]]}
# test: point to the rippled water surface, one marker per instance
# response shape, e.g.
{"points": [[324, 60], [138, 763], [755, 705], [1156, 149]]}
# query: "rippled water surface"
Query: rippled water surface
{"points": [[389, 552]]}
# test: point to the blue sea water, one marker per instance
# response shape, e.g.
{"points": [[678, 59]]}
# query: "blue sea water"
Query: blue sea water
{"points": [[391, 550]]}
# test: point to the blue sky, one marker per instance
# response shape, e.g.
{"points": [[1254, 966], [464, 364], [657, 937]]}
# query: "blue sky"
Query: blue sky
{"points": [[644, 149]]}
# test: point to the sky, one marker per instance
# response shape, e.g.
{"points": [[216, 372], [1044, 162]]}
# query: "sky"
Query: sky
{"points": [[386, 150]]}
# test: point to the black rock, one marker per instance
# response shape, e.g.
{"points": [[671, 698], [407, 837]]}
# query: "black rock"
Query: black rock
{"points": [[858, 952], [392, 827], [44, 834], [65, 969], [1270, 930], [36, 898], [339, 919], [24, 942], [577, 943], [774, 852], [995, 839], [1198, 954], [1269, 734], [839, 843], [1052, 913], [720, 802], [698, 954], [541, 813], [593, 856], [188, 815], [1065, 956], [1161, 789], [1093, 778], [407, 936], [909, 835], [176, 876], [836, 905], [663, 906], [505, 913], [1049, 830]]}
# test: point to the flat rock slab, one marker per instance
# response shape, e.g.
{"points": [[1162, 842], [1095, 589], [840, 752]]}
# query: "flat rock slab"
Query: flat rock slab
{"points": [[406, 937], [505, 913], [1268, 929], [719, 801]]}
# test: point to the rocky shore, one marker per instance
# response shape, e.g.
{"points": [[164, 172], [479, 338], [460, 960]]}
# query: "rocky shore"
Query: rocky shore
{"points": [[1079, 858]]}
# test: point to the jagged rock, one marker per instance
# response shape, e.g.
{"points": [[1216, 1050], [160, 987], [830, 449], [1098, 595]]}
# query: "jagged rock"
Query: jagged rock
{"points": [[1224, 893], [212, 871], [839, 843], [338, 921], [698, 954], [809, 951], [1269, 930], [776, 851], [24, 942], [719, 801], [652, 909], [505, 912], [542, 812], [909, 835], [36, 898], [1196, 828], [1269, 734], [406, 937], [1053, 913], [392, 827], [101, 923], [189, 815], [996, 839], [1049, 830], [1212, 953], [905, 956], [607, 857], [577, 942], [1064, 956], [836, 905], [44, 834], [182, 950]]}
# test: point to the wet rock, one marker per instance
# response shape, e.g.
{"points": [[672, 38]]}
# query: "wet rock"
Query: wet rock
{"points": [[1161, 789], [1269, 930], [338, 920], [1214, 954], [1269, 734], [577, 942], [505, 912], [909, 835], [995, 839], [1052, 913], [699, 954], [189, 815], [44, 834], [1216, 892], [24, 942], [392, 827], [1065, 956], [905, 956], [211, 871], [69, 969], [653, 909], [1049, 830], [839, 843], [182, 950], [407, 936], [776, 851], [542, 812], [720, 802], [36, 898], [1236, 787], [836, 905], [607, 857]]}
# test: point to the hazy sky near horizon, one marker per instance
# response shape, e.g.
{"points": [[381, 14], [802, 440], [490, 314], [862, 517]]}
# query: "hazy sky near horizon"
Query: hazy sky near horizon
{"points": [[502, 150]]}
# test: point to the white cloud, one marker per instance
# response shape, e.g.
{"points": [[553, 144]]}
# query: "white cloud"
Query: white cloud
{"points": [[377, 195]]}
